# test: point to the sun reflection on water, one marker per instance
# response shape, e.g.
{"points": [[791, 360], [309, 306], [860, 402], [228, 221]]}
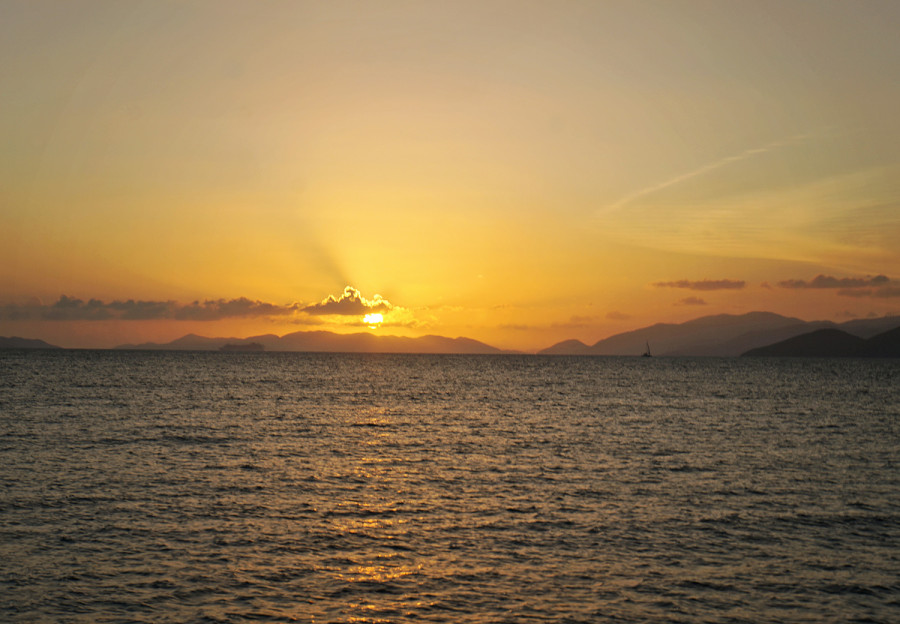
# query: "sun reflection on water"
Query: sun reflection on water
{"points": [[377, 517]]}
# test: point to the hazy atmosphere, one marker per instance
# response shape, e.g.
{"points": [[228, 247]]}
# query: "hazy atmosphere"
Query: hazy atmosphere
{"points": [[394, 311], [515, 172]]}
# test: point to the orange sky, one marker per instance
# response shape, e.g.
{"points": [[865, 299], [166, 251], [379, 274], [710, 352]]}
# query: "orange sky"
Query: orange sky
{"points": [[516, 172]]}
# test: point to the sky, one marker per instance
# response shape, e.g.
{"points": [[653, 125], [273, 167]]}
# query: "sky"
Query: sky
{"points": [[515, 172]]}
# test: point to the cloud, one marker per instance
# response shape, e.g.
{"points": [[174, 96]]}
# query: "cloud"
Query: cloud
{"points": [[74, 309], [132, 310], [691, 301], [722, 284], [885, 292], [707, 168], [347, 309], [828, 281], [213, 310], [615, 315], [879, 286], [351, 302]]}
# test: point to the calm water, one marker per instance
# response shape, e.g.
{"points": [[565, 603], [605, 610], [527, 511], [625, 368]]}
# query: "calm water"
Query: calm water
{"points": [[209, 487]]}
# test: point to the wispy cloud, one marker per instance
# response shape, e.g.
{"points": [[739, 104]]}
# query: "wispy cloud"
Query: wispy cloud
{"points": [[828, 281], [707, 284], [879, 286], [691, 301], [885, 292], [718, 164]]}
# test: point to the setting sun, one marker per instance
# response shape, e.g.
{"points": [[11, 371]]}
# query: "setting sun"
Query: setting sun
{"points": [[373, 320]]}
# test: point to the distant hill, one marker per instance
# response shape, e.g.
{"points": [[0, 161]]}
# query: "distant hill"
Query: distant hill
{"points": [[833, 343], [323, 341], [14, 342], [822, 342], [244, 346], [568, 347], [723, 335]]}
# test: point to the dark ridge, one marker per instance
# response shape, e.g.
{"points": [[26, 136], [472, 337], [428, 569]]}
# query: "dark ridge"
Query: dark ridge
{"points": [[14, 342], [244, 346], [721, 335], [884, 345], [820, 343], [833, 343], [323, 341], [567, 347]]}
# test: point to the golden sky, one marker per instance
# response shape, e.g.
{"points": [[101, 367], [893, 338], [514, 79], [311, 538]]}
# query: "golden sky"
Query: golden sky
{"points": [[515, 172]]}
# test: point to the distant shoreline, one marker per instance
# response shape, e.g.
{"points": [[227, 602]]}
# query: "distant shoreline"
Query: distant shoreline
{"points": [[723, 335]]}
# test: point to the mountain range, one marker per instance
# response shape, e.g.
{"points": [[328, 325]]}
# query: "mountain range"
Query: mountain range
{"points": [[723, 335], [323, 341], [14, 342], [834, 343]]}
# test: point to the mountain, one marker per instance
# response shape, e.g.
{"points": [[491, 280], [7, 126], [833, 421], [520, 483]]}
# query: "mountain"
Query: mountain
{"points": [[567, 347], [242, 347], [189, 342], [14, 342], [723, 335], [371, 343], [834, 343], [884, 345], [324, 341], [866, 328], [822, 342]]}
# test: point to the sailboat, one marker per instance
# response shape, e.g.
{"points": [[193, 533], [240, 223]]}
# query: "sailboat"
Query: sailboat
{"points": [[647, 352]]}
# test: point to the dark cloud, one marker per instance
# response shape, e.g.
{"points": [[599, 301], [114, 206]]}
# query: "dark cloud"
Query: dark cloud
{"points": [[73, 309], [692, 301], [885, 292], [132, 310], [828, 281], [351, 302], [722, 284], [212, 310], [68, 309], [879, 287]]}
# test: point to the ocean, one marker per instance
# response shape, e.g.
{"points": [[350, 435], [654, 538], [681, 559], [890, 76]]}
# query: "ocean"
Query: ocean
{"points": [[288, 487]]}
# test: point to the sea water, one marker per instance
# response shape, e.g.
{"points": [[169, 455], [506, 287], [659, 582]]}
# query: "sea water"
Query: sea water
{"points": [[284, 487]]}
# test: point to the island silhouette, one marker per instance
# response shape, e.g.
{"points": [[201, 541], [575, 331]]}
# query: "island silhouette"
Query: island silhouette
{"points": [[323, 341], [722, 335], [833, 343]]}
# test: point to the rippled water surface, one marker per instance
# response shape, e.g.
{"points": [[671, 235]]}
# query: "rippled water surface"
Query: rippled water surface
{"points": [[211, 487]]}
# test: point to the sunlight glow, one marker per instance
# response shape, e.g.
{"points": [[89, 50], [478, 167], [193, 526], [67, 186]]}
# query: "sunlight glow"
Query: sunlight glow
{"points": [[373, 320]]}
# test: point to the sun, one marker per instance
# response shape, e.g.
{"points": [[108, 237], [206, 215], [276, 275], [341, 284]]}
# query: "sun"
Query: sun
{"points": [[373, 320]]}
